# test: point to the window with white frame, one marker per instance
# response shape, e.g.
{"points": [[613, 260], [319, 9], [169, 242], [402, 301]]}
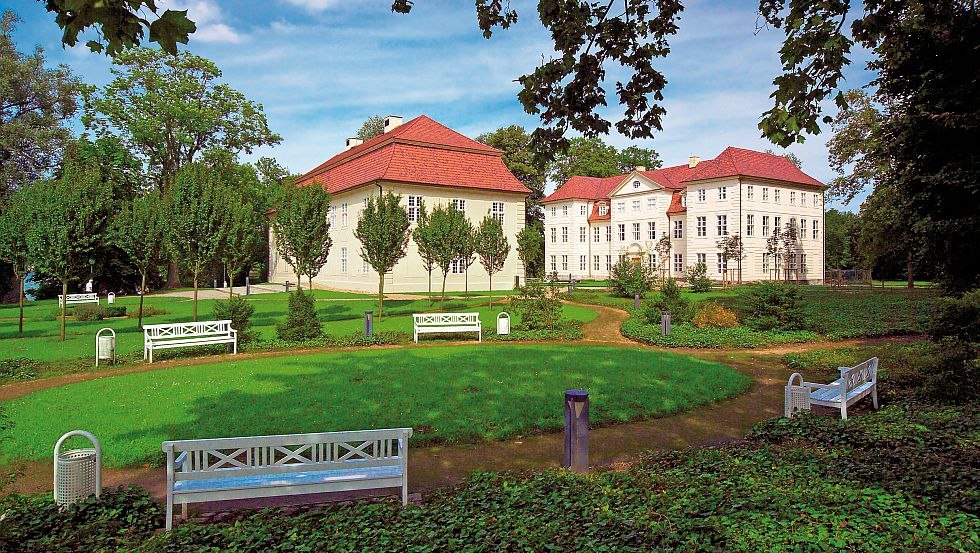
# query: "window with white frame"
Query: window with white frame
{"points": [[603, 209], [722, 264], [765, 194], [581, 210], [684, 200], [636, 206], [702, 226], [595, 262], [792, 261], [414, 208], [621, 232], [652, 261], [582, 234], [343, 215], [595, 234], [802, 229], [802, 262], [816, 229], [581, 262], [564, 263], [564, 234], [553, 211], [765, 226], [554, 264], [777, 224], [722, 192], [652, 204], [608, 233], [636, 185], [792, 225], [792, 197], [702, 258], [678, 263], [459, 204], [651, 230], [678, 229], [564, 210], [636, 231], [608, 262], [749, 224], [333, 215], [750, 191], [622, 257], [620, 207], [365, 266], [702, 194], [497, 211], [765, 262], [343, 259], [775, 195], [723, 225], [816, 200], [554, 234], [458, 266]]}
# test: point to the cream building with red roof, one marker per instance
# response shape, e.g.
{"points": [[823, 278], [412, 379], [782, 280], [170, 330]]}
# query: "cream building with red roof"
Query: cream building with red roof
{"points": [[425, 162], [591, 223]]}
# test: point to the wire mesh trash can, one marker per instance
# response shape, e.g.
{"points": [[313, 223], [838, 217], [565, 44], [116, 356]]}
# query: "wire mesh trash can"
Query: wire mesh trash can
{"points": [[105, 346], [77, 472], [503, 323]]}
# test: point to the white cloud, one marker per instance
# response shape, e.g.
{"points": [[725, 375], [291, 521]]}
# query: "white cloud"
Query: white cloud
{"points": [[210, 21], [314, 5]]}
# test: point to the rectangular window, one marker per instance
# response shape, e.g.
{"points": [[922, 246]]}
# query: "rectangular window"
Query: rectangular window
{"points": [[459, 204], [497, 211], [703, 258], [343, 215], [652, 260], [636, 205], [621, 232], [803, 263], [458, 266], [636, 231], [765, 226], [749, 224], [750, 191], [722, 264], [608, 262], [581, 263], [564, 210], [414, 208], [581, 210], [816, 229], [765, 194], [553, 212], [765, 262], [702, 226], [620, 207], [722, 192], [816, 200], [595, 234], [595, 262], [777, 225], [554, 265], [564, 234], [564, 263], [678, 229], [554, 234], [723, 225], [608, 233], [582, 234], [802, 229], [792, 197], [365, 268], [343, 259], [678, 263], [651, 230], [702, 194], [775, 195], [333, 215], [652, 204]]}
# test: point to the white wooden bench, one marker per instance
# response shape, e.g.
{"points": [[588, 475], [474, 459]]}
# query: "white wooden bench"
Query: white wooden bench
{"points": [[854, 384], [181, 335], [221, 469], [434, 323], [73, 299]]}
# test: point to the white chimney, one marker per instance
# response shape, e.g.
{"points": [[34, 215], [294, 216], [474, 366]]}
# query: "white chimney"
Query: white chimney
{"points": [[693, 161], [640, 168], [392, 121], [351, 142]]}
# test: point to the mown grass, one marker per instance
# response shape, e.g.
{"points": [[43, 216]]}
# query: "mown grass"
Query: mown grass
{"points": [[449, 395]]}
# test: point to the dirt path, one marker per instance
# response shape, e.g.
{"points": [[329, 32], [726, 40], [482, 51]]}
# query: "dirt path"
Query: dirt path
{"points": [[605, 327]]}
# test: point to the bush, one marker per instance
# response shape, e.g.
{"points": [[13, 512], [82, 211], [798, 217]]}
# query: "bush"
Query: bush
{"points": [[537, 306], [239, 312], [669, 300], [697, 277], [628, 279], [115, 311], [89, 312], [685, 335], [302, 322], [711, 315], [148, 311], [19, 368], [772, 306]]}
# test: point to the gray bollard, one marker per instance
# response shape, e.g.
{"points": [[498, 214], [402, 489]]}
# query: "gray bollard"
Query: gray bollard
{"points": [[665, 323], [215, 283], [287, 286], [636, 300], [576, 454], [368, 324], [248, 286]]}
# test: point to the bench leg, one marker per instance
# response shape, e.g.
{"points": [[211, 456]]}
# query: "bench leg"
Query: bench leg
{"points": [[843, 410], [479, 335], [404, 492], [874, 396], [183, 511], [170, 511]]}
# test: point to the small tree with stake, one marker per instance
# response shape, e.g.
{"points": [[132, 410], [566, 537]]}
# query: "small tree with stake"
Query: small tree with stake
{"points": [[16, 219], [446, 230], [663, 248], [242, 232], [140, 230], [424, 244], [383, 232], [467, 251], [302, 228], [492, 247]]}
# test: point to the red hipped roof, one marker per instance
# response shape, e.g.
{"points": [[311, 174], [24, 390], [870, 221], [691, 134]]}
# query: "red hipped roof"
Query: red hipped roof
{"points": [[419, 151]]}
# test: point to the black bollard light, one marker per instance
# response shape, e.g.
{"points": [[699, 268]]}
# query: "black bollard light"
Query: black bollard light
{"points": [[368, 324], [636, 300], [576, 454], [248, 286], [665, 323]]}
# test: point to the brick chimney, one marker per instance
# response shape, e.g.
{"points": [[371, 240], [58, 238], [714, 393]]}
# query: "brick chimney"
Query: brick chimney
{"points": [[392, 121], [640, 168], [693, 161]]}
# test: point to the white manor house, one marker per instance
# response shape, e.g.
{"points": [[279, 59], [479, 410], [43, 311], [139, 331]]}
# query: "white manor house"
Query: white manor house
{"points": [[591, 223]]}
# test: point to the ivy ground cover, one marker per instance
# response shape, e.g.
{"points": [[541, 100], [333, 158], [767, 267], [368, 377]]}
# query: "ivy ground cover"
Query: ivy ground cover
{"points": [[448, 394]]}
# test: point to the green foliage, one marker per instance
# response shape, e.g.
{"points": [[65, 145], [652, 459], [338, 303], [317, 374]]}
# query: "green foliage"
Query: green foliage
{"points": [[879, 313], [243, 230], [631, 157], [567, 331], [697, 278], [669, 299], [140, 230], [239, 311], [840, 231], [383, 230], [18, 368], [492, 246], [16, 219], [537, 306], [302, 322], [89, 312], [530, 249], [302, 228], [629, 279], [773, 306], [955, 328], [447, 231], [148, 311], [686, 335], [520, 160], [586, 157], [373, 126], [121, 517]]}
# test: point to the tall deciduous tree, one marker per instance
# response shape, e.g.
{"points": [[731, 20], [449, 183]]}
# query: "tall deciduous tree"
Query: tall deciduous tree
{"points": [[515, 142], [34, 104], [423, 242], [585, 157], [372, 126], [243, 230], [139, 230], [492, 247], [196, 207], [446, 230], [530, 250], [631, 157], [840, 233], [301, 226], [383, 232], [71, 215], [16, 219], [467, 253], [790, 156]]}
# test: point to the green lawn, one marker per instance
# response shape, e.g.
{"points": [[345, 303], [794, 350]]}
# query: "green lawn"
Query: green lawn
{"points": [[342, 313], [448, 394]]}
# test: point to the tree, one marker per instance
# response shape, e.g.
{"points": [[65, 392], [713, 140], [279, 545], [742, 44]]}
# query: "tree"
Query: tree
{"points": [[301, 226], [587, 157], [530, 250], [70, 217], [383, 230], [840, 231], [790, 156], [774, 249], [372, 126], [520, 160], [423, 242], [731, 247], [16, 219], [492, 246], [170, 108], [447, 234], [885, 243], [467, 253], [35, 103], [243, 230], [855, 148], [663, 248], [196, 216], [140, 231], [120, 25], [631, 157]]}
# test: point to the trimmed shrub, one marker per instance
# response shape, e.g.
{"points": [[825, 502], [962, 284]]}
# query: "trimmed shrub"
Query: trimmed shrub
{"points": [[302, 322], [115, 311], [697, 277], [148, 311], [628, 279], [772, 306], [89, 312], [537, 306], [711, 315], [669, 300], [239, 312]]}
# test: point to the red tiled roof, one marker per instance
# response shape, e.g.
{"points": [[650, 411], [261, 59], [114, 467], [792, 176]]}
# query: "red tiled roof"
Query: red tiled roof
{"points": [[585, 188], [594, 216], [750, 163], [676, 205], [420, 151]]}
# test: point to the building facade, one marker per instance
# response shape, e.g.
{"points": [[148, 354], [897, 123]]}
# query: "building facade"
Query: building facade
{"points": [[427, 164], [774, 208]]}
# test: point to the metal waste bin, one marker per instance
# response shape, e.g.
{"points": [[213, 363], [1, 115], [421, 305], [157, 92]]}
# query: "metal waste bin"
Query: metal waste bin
{"points": [[503, 323], [77, 472], [105, 346], [111, 298]]}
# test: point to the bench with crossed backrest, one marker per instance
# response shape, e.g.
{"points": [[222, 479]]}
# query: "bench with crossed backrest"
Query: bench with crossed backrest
{"points": [[436, 323], [73, 299], [181, 335], [854, 384], [221, 469]]}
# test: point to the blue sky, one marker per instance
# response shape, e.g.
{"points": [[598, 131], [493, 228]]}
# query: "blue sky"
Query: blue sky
{"points": [[320, 67]]}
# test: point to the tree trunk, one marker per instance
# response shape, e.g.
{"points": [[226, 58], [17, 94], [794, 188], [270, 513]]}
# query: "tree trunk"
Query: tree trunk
{"points": [[64, 307], [231, 287], [443, 305], [908, 268], [490, 286], [309, 278], [430, 285], [173, 276], [466, 282], [20, 302], [381, 295], [142, 295], [195, 296]]}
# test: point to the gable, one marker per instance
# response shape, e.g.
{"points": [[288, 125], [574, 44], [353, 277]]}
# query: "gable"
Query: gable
{"points": [[635, 183]]}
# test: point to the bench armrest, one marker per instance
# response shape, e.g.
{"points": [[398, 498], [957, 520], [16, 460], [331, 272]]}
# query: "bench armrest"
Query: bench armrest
{"points": [[179, 461]]}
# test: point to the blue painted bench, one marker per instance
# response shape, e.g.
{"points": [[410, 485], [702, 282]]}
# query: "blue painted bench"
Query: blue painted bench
{"points": [[854, 384]]}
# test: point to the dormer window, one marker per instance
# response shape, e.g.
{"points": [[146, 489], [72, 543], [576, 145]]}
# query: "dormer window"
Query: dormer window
{"points": [[603, 209], [636, 184]]}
